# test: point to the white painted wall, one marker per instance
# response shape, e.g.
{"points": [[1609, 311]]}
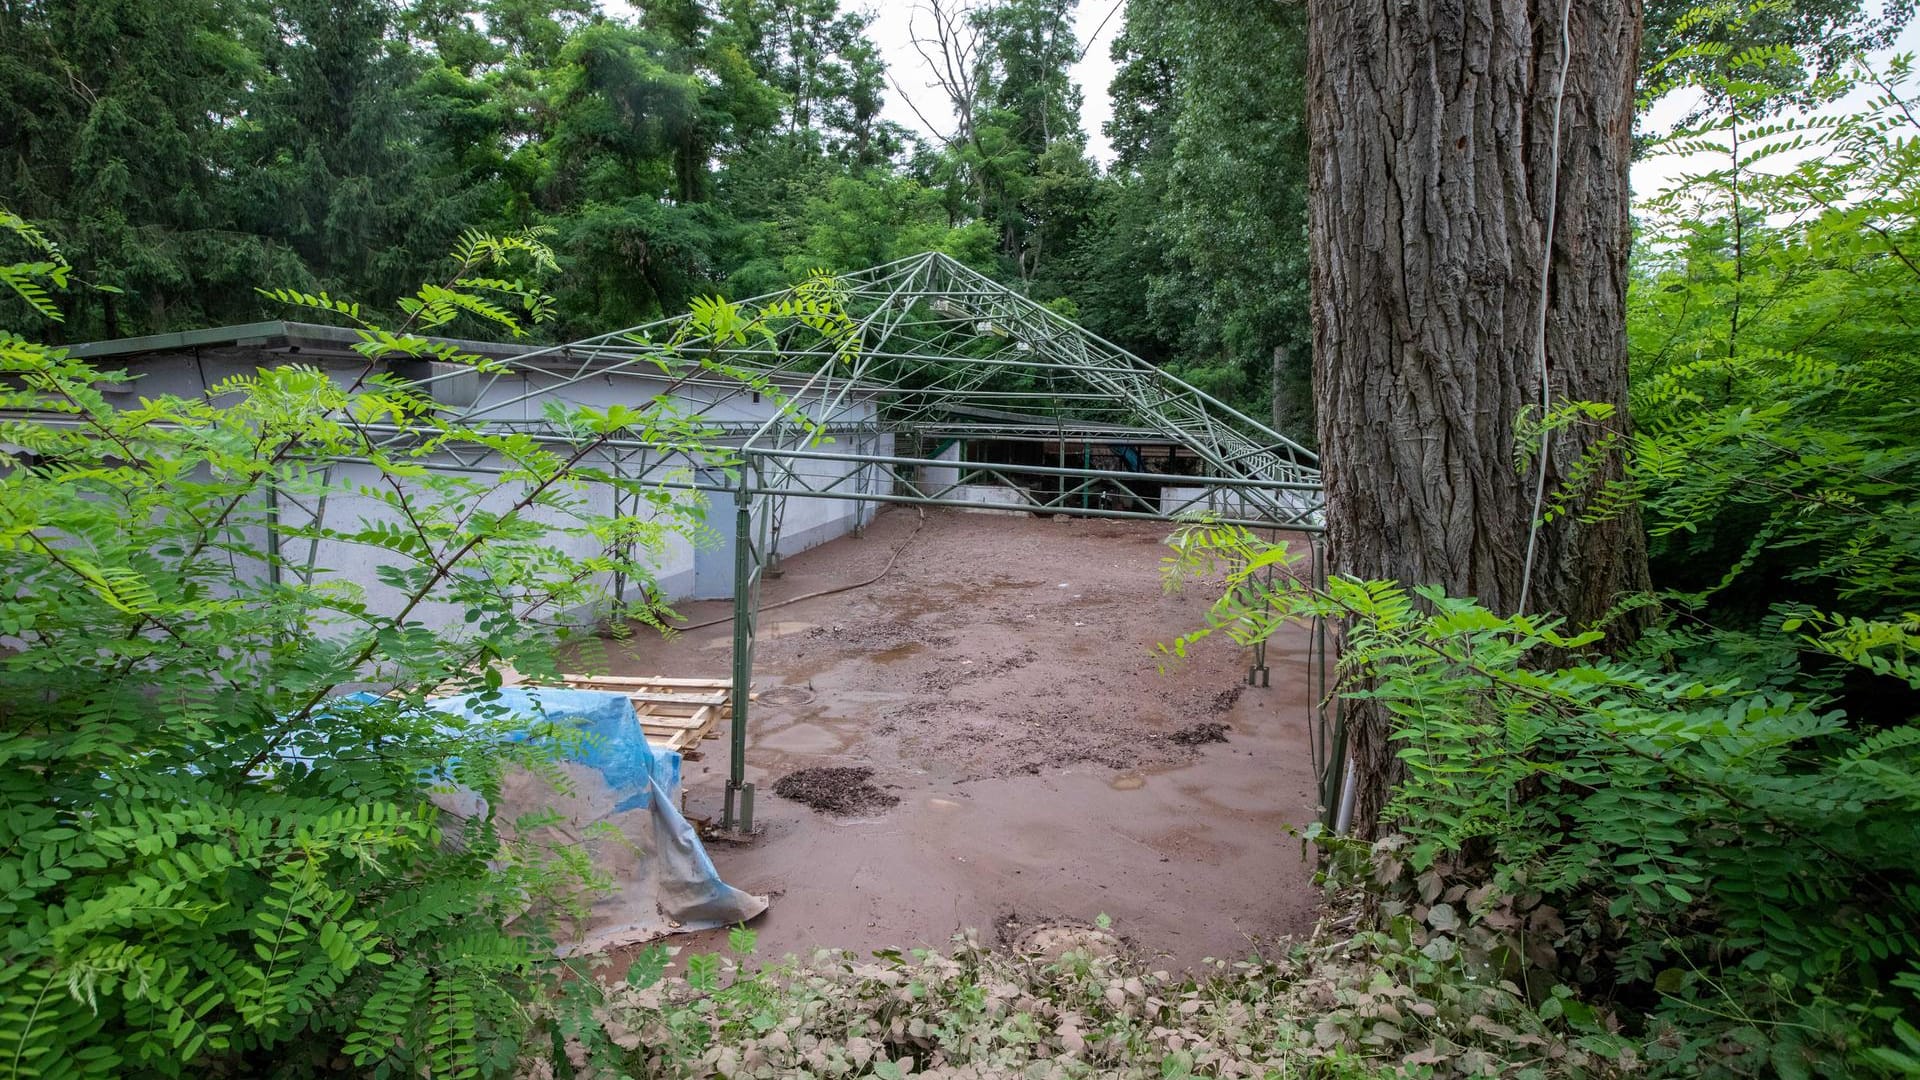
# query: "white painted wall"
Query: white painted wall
{"points": [[1224, 502], [936, 479], [808, 522], [989, 497]]}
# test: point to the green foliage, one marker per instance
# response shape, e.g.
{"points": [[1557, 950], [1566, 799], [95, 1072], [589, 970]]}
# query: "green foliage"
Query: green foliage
{"points": [[1787, 51], [1774, 361], [187, 152], [123, 117], [1738, 852], [1739, 788], [25, 278], [213, 858], [1721, 821], [826, 69], [1712, 831]]}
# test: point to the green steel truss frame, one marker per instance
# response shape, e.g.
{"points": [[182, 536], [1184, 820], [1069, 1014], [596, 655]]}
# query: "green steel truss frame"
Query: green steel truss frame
{"points": [[937, 353]]}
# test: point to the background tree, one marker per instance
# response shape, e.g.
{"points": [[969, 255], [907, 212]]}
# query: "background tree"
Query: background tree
{"points": [[330, 149], [1195, 249], [190, 149], [120, 138], [1032, 128], [1237, 207], [1791, 49], [1470, 229], [825, 66], [1014, 153]]}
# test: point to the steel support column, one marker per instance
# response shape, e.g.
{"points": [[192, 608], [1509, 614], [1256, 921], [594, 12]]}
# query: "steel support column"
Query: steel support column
{"points": [[738, 810]]}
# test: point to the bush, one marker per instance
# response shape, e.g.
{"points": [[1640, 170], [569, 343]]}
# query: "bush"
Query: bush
{"points": [[211, 859], [1728, 860], [1775, 360]]}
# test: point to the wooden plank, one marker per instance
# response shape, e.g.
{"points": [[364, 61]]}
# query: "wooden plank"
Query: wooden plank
{"points": [[668, 712], [672, 723], [674, 713], [677, 742], [680, 699], [652, 680], [671, 740], [667, 703], [699, 725], [701, 717]]}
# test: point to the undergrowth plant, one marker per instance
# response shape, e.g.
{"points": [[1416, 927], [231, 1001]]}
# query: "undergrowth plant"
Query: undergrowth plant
{"points": [[1729, 858], [214, 858], [1774, 357]]}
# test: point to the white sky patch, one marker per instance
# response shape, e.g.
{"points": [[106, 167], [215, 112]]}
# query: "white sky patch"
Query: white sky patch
{"points": [[1653, 175], [910, 75]]}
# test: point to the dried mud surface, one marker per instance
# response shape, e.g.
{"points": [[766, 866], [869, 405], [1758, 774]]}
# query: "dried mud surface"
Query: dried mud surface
{"points": [[1001, 684]]}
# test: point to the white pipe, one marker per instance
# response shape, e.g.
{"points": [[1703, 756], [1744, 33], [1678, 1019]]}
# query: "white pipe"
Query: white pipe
{"points": [[1343, 820]]}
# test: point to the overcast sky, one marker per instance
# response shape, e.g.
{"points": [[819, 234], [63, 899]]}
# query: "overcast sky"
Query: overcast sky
{"points": [[892, 32], [1652, 175]]}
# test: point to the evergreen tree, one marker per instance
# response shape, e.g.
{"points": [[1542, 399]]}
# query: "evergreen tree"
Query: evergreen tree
{"points": [[119, 137], [332, 149]]}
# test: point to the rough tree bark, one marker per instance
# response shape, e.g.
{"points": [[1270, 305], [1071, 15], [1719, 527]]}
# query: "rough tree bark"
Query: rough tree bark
{"points": [[1431, 130]]}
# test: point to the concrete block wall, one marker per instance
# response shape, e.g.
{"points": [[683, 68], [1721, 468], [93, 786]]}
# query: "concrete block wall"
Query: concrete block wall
{"points": [[935, 479]]}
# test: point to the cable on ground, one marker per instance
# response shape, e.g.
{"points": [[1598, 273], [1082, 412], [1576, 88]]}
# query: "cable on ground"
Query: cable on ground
{"points": [[895, 557]]}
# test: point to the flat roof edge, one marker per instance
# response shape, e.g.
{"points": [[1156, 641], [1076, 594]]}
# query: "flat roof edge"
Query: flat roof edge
{"points": [[274, 333]]}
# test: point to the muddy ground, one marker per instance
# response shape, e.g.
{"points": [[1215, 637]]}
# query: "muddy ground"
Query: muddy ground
{"points": [[1001, 682]]}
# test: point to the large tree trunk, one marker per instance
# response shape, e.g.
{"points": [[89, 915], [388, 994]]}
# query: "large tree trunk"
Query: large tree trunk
{"points": [[1432, 127]]}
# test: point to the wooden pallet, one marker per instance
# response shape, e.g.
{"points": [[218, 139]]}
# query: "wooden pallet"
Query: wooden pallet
{"points": [[676, 714]]}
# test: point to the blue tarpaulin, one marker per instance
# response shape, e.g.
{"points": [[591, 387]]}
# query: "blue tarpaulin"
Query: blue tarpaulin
{"points": [[624, 808]]}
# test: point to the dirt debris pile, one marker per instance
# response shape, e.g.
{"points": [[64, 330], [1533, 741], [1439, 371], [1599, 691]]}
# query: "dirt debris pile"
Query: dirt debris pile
{"points": [[1048, 939], [840, 790], [877, 635], [1200, 734]]}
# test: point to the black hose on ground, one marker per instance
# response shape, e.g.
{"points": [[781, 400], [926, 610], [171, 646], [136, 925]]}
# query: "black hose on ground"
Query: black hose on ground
{"points": [[895, 557]]}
